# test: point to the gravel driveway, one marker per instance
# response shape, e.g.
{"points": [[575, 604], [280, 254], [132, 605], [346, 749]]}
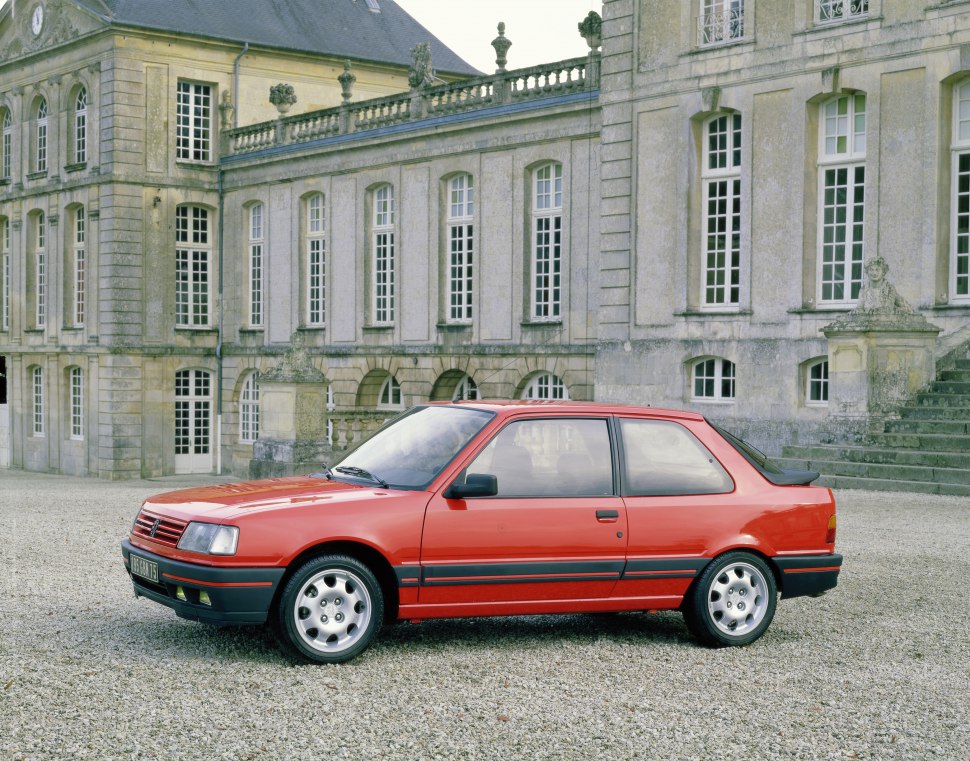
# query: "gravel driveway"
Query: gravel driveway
{"points": [[877, 669]]}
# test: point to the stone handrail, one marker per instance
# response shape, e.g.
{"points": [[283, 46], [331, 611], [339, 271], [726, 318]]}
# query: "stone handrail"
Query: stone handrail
{"points": [[350, 427], [533, 83]]}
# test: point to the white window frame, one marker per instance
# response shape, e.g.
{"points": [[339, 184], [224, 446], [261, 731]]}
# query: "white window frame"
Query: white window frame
{"points": [[465, 390], [720, 22], [193, 441], [817, 383], [959, 275], [194, 124], [461, 248], [383, 243], [81, 126], [249, 409], [76, 382], [6, 145], [41, 124], [721, 213], [40, 271], [717, 374], [79, 284], [38, 403], [545, 386], [390, 397], [316, 261], [5, 273], [193, 267], [256, 263], [546, 243], [839, 11], [841, 199]]}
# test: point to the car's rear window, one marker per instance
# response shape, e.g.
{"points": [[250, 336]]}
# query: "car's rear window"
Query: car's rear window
{"points": [[763, 464]]}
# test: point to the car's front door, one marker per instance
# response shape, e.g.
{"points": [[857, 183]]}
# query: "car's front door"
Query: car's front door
{"points": [[555, 529]]}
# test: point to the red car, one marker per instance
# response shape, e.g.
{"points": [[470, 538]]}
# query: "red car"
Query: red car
{"points": [[494, 509]]}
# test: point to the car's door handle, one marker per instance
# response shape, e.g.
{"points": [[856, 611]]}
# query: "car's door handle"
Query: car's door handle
{"points": [[608, 516]]}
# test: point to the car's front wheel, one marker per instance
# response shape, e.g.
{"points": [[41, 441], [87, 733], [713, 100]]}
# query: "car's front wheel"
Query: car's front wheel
{"points": [[330, 609], [733, 601]]}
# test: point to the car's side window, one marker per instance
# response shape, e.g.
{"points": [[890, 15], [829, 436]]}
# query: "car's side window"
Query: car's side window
{"points": [[565, 457], [664, 458]]}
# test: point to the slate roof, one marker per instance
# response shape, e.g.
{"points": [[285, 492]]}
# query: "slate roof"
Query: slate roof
{"points": [[343, 28]]}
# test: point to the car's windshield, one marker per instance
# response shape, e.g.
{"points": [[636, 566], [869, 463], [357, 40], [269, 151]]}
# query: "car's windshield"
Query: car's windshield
{"points": [[412, 450]]}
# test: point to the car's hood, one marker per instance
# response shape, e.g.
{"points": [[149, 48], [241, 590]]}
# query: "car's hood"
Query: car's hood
{"points": [[224, 501]]}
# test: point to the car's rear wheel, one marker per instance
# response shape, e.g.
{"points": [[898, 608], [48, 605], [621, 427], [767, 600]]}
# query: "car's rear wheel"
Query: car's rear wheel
{"points": [[733, 601], [330, 609]]}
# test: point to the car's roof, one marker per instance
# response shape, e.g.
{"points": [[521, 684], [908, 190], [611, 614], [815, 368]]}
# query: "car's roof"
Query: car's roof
{"points": [[545, 406]]}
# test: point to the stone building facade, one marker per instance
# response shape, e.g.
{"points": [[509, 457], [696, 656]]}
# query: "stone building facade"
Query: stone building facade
{"points": [[672, 222]]}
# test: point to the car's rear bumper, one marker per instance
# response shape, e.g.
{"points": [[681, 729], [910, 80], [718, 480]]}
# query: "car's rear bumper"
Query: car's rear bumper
{"points": [[808, 574], [236, 595]]}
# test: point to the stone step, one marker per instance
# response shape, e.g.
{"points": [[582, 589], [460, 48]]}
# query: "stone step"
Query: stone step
{"points": [[950, 388], [889, 472], [959, 376], [878, 484], [952, 427], [933, 399], [834, 453], [927, 412], [934, 442], [963, 364]]}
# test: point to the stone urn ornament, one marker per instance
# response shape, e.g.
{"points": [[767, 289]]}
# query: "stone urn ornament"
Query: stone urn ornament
{"points": [[591, 29], [283, 96]]}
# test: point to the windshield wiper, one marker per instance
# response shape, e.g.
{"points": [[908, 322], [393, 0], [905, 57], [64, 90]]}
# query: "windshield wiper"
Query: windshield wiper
{"points": [[326, 473], [355, 471]]}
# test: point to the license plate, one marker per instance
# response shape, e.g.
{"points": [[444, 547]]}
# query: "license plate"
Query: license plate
{"points": [[147, 569]]}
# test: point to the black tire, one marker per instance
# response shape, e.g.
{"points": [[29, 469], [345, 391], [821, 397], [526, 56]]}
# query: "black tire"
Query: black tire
{"points": [[733, 601], [330, 609]]}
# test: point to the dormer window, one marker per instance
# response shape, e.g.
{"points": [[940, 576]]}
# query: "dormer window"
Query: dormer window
{"points": [[373, 6]]}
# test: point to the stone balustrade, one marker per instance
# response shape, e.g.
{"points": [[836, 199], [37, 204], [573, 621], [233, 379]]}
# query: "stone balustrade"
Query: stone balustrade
{"points": [[521, 85], [350, 427]]}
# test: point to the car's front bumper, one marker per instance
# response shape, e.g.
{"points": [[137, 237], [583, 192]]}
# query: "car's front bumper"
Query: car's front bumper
{"points": [[236, 595], [808, 574]]}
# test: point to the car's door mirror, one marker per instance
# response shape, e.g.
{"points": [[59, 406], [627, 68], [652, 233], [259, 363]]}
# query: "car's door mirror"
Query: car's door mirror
{"points": [[475, 485]]}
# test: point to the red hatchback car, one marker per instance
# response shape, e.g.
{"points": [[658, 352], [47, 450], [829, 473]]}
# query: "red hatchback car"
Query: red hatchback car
{"points": [[494, 509]]}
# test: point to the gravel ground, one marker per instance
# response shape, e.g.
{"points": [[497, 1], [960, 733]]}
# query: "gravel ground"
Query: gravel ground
{"points": [[877, 669]]}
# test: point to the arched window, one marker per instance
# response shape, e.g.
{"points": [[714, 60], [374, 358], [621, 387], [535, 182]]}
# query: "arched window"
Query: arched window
{"points": [[546, 386], [466, 389], [40, 144], [81, 126], [38, 407], [249, 409], [713, 380], [547, 227], [76, 384], [6, 144], [841, 204], [383, 244], [461, 247], [193, 255], [721, 189], [817, 383], [390, 394], [316, 261], [256, 237]]}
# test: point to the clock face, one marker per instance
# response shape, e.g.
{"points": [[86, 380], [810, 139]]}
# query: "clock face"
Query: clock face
{"points": [[37, 20]]}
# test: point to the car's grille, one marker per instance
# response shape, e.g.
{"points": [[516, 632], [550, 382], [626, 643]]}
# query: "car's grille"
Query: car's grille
{"points": [[159, 528]]}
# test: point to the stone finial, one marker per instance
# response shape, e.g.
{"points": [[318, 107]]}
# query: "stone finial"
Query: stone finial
{"points": [[226, 109], [501, 45], [880, 307], [347, 80], [282, 96], [591, 29], [420, 72], [295, 366]]}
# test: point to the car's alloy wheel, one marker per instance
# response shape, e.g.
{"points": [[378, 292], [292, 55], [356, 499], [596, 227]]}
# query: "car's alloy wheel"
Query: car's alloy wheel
{"points": [[733, 600], [331, 609]]}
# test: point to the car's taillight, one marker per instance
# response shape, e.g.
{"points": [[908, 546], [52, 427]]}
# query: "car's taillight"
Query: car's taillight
{"points": [[830, 534]]}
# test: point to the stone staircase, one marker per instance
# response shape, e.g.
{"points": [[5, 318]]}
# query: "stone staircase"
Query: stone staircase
{"points": [[926, 450]]}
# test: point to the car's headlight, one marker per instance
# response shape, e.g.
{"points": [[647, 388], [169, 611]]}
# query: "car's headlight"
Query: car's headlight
{"points": [[209, 539]]}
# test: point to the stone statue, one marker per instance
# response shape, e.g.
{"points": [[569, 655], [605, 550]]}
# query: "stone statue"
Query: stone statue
{"points": [[879, 305], [295, 366], [420, 71]]}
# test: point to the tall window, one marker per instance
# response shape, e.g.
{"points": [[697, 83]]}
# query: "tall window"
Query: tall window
{"points": [[40, 154], [390, 394], [840, 10], [77, 403], [5, 274], [383, 243], [547, 242], [193, 122], [249, 409], [80, 264], [316, 261], [842, 180], [461, 247], [193, 417], [546, 386], [81, 126], [6, 144], [721, 181], [817, 383], [960, 211], [256, 265], [37, 389], [713, 380], [720, 21], [192, 266], [40, 272]]}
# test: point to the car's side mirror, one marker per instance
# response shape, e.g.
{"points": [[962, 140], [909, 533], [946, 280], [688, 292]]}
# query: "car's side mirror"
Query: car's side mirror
{"points": [[475, 485]]}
